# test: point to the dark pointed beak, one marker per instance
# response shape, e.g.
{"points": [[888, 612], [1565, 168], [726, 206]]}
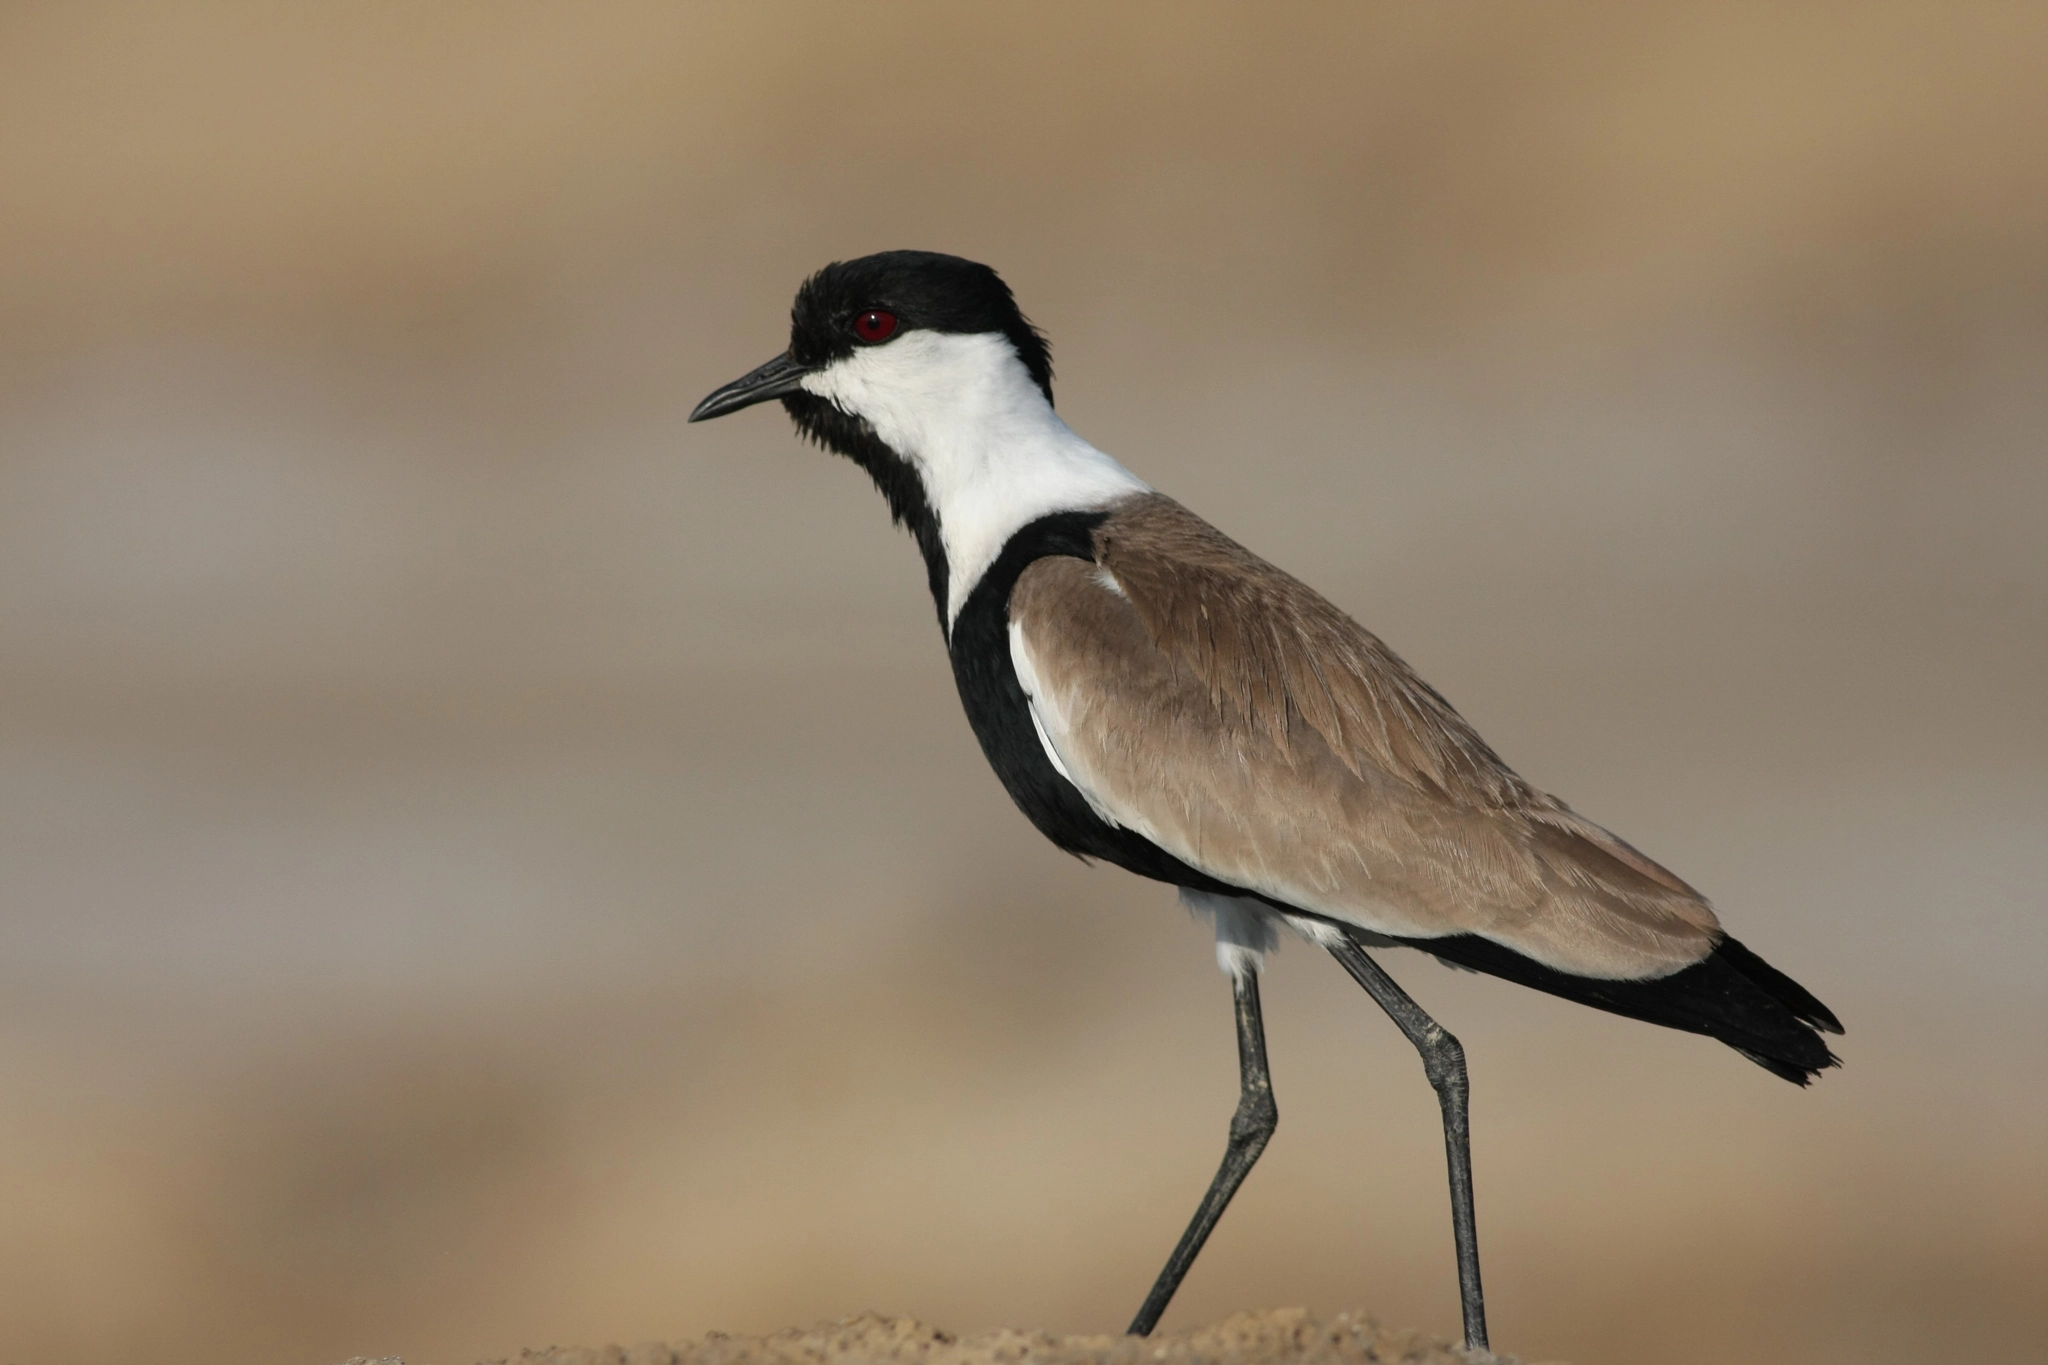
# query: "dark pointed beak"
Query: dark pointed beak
{"points": [[779, 376]]}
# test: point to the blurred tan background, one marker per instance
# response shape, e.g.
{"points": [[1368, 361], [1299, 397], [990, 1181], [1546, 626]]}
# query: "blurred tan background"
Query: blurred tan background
{"points": [[486, 865]]}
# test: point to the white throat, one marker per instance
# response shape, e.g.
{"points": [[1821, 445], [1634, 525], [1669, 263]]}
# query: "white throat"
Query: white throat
{"points": [[991, 452]]}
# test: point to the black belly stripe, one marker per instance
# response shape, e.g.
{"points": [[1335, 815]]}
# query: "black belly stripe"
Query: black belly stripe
{"points": [[1001, 715]]}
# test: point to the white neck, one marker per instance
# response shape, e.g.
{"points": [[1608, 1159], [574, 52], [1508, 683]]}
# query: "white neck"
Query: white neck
{"points": [[991, 452]]}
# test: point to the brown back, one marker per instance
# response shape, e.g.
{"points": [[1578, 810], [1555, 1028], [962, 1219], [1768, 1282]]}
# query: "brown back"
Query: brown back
{"points": [[1233, 715]]}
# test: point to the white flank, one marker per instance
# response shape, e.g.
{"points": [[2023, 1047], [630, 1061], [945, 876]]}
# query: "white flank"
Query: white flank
{"points": [[1381, 921], [1246, 930], [991, 452], [1027, 678]]}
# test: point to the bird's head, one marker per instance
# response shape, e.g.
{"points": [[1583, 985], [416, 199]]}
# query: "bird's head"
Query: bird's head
{"points": [[879, 337], [920, 368]]}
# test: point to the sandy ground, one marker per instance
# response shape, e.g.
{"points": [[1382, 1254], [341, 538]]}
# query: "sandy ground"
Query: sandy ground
{"points": [[1281, 1334]]}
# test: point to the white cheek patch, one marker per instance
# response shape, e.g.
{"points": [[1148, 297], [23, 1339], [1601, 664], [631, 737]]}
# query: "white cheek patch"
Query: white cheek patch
{"points": [[897, 386], [992, 454]]}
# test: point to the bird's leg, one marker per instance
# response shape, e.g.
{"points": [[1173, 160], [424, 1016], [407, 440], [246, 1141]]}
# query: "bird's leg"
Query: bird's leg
{"points": [[1443, 1060], [1250, 1129]]}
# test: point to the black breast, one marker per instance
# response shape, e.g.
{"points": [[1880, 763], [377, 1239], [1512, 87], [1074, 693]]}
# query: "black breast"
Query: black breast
{"points": [[1001, 715]]}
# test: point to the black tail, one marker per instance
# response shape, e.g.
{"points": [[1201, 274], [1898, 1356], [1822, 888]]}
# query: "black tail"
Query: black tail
{"points": [[1732, 994]]}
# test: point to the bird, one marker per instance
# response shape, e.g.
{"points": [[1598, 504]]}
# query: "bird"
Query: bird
{"points": [[1154, 695]]}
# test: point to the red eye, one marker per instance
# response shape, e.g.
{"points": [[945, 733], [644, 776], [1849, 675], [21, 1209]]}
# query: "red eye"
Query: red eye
{"points": [[874, 326]]}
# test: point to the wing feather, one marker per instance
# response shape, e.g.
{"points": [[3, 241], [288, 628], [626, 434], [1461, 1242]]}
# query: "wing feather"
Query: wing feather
{"points": [[1222, 709]]}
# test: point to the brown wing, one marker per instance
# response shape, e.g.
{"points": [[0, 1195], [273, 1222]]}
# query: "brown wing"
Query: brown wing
{"points": [[1227, 712]]}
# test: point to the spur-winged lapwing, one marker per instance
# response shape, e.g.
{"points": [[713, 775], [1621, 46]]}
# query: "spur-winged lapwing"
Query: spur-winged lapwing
{"points": [[1155, 695]]}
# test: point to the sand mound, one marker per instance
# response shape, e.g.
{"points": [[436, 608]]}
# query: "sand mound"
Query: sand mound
{"points": [[1286, 1334]]}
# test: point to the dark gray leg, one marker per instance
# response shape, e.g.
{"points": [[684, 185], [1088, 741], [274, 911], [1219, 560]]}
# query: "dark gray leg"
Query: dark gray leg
{"points": [[1250, 1128], [1443, 1061]]}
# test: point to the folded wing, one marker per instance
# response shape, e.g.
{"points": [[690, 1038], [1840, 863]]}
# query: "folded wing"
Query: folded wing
{"points": [[1222, 709]]}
